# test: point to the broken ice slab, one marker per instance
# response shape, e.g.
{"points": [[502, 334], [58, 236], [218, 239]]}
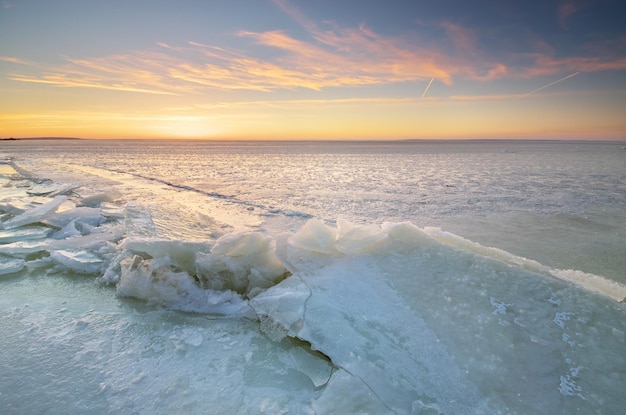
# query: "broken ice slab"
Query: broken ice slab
{"points": [[93, 241], [82, 215], [21, 248], [34, 215], [79, 261], [111, 210], [32, 233], [138, 221], [99, 199], [243, 262], [52, 189], [154, 281], [180, 253], [11, 266]]}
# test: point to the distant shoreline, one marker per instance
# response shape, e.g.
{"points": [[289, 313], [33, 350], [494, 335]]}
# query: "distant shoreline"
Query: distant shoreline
{"points": [[39, 138], [336, 141]]}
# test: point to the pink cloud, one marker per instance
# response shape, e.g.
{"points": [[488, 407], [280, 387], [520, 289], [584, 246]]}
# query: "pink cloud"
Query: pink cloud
{"points": [[566, 9]]}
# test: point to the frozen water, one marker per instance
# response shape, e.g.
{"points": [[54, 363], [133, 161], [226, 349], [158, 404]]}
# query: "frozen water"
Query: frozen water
{"points": [[363, 314]]}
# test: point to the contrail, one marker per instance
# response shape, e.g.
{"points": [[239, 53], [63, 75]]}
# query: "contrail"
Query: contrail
{"points": [[550, 84], [427, 87]]}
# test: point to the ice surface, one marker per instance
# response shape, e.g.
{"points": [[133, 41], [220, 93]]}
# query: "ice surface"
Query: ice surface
{"points": [[353, 318], [420, 325], [591, 282], [348, 311], [91, 353]]}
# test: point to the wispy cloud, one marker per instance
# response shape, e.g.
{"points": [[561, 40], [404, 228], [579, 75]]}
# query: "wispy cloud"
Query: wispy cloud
{"points": [[545, 64], [142, 72], [12, 59], [566, 9], [328, 56], [306, 103]]}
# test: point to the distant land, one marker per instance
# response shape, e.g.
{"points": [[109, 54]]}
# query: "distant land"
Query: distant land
{"points": [[40, 138]]}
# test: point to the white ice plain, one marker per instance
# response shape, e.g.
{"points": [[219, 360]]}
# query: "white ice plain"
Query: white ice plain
{"points": [[349, 319]]}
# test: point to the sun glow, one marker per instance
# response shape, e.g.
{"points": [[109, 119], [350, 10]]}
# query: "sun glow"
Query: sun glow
{"points": [[183, 127]]}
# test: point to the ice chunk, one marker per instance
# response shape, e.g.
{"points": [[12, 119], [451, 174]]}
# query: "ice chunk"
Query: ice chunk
{"points": [[315, 236], [52, 189], [242, 262], [111, 210], [181, 253], [296, 259], [97, 200], [68, 231], [11, 266], [358, 239], [407, 236], [242, 244], [34, 215], [155, 281], [21, 248], [13, 204], [79, 261], [81, 215], [311, 363], [138, 221], [92, 241], [24, 234]]}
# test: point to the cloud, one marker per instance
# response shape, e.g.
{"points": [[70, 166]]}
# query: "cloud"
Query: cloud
{"points": [[327, 56], [307, 103], [542, 64], [12, 59], [567, 9]]}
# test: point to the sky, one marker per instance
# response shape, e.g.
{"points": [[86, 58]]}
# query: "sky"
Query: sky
{"points": [[323, 69]]}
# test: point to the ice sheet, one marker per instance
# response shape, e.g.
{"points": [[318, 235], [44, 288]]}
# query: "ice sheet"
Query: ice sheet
{"points": [[373, 318], [350, 311]]}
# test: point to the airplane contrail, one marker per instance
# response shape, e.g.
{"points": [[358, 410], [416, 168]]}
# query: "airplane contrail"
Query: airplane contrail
{"points": [[427, 87], [550, 84]]}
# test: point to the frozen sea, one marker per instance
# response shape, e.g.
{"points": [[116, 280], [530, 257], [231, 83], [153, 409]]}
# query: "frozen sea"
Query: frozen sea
{"points": [[412, 277]]}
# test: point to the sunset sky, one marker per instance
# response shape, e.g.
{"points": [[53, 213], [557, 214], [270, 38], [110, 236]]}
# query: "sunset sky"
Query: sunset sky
{"points": [[323, 69]]}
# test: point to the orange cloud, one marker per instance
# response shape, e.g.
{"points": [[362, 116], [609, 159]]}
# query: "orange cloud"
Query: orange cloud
{"points": [[12, 59]]}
